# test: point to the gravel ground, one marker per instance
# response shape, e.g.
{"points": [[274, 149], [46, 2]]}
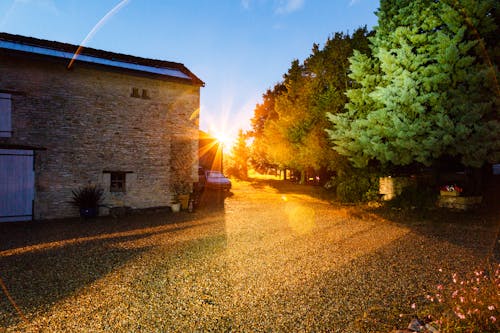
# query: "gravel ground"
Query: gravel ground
{"points": [[268, 259]]}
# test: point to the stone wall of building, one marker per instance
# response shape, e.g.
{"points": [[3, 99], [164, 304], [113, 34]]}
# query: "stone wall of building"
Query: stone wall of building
{"points": [[91, 120]]}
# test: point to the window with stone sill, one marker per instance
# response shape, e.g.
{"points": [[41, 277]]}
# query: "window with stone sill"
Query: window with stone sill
{"points": [[117, 181]]}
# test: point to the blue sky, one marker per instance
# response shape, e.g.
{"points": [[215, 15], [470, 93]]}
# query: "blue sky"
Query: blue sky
{"points": [[240, 48]]}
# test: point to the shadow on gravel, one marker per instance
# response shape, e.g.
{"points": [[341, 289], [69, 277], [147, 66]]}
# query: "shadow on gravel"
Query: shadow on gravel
{"points": [[19, 234], [42, 262], [42, 277], [476, 230]]}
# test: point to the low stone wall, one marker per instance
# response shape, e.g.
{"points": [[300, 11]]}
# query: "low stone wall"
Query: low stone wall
{"points": [[459, 203], [391, 187]]}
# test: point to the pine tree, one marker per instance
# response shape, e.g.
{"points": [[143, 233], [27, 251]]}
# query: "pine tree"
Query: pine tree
{"points": [[427, 91]]}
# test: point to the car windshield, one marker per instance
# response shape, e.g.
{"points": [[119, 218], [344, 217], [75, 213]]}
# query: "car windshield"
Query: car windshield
{"points": [[215, 174]]}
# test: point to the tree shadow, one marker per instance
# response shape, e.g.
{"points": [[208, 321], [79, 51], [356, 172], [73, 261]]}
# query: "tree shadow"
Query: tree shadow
{"points": [[37, 277], [368, 293], [19, 234], [476, 230]]}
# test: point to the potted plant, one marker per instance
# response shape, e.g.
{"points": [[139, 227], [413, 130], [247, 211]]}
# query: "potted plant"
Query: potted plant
{"points": [[87, 199], [175, 204], [450, 190]]}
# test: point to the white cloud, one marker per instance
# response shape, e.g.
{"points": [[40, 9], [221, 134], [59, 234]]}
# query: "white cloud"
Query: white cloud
{"points": [[289, 6], [353, 2]]}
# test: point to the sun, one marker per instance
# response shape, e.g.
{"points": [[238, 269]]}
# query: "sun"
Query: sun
{"points": [[225, 138]]}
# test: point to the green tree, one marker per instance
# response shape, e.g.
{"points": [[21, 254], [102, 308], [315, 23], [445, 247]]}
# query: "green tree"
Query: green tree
{"points": [[427, 91], [238, 166], [263, 114], [289, 125]]}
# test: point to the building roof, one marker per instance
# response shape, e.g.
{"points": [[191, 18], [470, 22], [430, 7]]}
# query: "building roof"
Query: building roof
{"points": [[77, 54]]}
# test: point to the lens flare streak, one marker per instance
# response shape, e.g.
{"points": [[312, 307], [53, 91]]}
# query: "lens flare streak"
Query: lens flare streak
{"points": [[96, 28]]}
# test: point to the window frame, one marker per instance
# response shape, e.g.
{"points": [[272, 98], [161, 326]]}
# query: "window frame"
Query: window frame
{"points": [[117, 181], [5, 115]]}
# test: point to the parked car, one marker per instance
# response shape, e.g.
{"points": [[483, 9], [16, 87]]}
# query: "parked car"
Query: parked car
{"points": [[212, 179]]}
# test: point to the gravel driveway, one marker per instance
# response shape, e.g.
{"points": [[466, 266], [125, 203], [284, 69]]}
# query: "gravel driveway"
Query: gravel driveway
{"points": [[270, 259]]}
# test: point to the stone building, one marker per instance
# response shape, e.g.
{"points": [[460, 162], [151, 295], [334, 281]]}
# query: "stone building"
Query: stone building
{"points": [[70, 117]]}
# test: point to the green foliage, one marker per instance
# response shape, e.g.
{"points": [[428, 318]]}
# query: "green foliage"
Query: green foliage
{"points": [[238, 163], [415, 196], [359, 186], [288, 127], [428, 89]]}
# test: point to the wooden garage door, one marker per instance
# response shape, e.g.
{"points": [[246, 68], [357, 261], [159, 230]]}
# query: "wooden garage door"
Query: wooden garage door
{"points": [[17, 180]]}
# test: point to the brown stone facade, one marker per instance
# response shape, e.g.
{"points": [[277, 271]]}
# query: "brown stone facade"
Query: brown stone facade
{"points": [[92, 120]]}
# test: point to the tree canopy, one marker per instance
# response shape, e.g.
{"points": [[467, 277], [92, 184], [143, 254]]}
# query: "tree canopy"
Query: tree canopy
{"points": [[427, 90], [289, 125]]}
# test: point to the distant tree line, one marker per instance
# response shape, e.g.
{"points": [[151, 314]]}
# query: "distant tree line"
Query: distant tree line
{"points": [[289, 125]]}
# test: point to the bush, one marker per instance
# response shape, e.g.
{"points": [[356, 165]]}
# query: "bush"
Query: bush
{"points": [[357, 187], [415, 197]]}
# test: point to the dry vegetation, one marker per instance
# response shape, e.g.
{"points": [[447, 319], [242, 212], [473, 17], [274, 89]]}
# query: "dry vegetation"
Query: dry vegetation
{"points": [[273, 257]]}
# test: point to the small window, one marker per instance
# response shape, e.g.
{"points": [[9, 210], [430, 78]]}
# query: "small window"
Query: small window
{"points": [[135, 93], [5, 115], [117, 183], [145, 94]]}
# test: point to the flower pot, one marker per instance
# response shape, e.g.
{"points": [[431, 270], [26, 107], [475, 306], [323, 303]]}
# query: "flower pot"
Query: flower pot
{"points": [[88, 212], [184, 199], [176, 207], [449, 193]]}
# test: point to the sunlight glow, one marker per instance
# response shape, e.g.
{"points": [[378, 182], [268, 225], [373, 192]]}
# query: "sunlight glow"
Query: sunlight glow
{"points": [[225, 138], [301, 218], [225, 123]]}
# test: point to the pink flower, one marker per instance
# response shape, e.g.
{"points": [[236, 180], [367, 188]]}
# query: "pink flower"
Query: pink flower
{"points": [[462, 299], [413, 305], [491, 307], [493, 319], [460, 315], [455, 293], [440, 287]]}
